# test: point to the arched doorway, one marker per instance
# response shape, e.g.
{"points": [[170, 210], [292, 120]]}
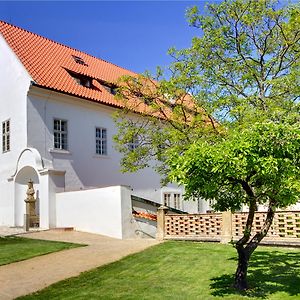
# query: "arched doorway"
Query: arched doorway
{"points": [[21, 180]]}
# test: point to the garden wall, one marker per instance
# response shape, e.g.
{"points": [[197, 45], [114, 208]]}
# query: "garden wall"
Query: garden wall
{"points": [[106, 211], [225, 226]]}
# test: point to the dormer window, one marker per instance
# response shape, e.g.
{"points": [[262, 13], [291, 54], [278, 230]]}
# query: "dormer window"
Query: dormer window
{"points": [[79, 60], [111, 88], [82, 79]]}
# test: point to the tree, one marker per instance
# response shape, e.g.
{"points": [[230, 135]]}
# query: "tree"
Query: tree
{"points": [[225, 122], [255, 165]]}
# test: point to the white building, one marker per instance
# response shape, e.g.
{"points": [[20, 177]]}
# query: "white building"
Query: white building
{"points": [[56, 106]]}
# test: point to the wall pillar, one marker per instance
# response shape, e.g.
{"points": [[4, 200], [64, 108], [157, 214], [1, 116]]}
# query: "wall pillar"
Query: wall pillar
{"points": [[127, 222], [161, 212], [43, 196], [226, 227]]}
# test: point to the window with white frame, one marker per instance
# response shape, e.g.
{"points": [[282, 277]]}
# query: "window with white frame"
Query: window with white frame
{"points": [[6, 136], [60, 131], [177, 198], [172, 199], [101, 141], [167, 199]]}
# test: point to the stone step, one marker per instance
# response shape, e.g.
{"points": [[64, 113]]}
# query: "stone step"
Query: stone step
{"points": [[63, 228]]}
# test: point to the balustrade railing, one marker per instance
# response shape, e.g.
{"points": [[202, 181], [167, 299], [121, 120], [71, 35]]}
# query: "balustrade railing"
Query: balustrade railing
{"points": [[225, 226]]}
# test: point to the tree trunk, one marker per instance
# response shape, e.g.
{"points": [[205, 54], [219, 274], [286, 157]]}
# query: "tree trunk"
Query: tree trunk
{"points": [[245, 248], [240, 281]]}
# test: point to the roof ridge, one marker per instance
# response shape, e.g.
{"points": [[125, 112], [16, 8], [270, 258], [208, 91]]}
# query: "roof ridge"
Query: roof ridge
{"points": [[69, 47]]}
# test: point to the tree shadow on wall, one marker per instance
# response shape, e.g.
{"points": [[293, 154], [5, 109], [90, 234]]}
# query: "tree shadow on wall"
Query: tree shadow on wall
{"points": [[269, 272]]}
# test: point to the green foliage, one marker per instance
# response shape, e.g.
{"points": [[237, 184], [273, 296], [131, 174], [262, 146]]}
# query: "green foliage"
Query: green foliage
{"points": [[225, 122], [218, 120], [266, 156], [247, 61]]}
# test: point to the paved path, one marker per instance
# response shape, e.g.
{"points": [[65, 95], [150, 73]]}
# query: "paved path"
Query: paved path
{"points": [[6, 231], [31, 275]]}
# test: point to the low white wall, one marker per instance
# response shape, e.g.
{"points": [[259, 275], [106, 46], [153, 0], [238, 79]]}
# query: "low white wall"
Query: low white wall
{"points": [[145, 228], [96, 211]]}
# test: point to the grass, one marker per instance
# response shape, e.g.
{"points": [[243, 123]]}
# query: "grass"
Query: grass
{"points": [[13, 249], [184, 270]]}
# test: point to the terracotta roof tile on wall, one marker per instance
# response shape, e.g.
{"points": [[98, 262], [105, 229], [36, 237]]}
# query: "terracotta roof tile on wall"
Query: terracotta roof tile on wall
{"points": [[50, 65]]}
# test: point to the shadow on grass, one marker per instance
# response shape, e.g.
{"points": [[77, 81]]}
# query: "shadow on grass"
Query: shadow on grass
{"points": [[269, 272]]}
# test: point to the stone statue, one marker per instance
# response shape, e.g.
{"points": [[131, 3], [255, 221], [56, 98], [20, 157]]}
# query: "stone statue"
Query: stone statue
{"points": [[32, 218]]}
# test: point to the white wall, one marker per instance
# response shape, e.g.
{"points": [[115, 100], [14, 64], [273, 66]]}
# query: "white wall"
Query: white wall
{"points": [[145, 228], [295, 206], [14, 84], [83, 168], [104, 211]]}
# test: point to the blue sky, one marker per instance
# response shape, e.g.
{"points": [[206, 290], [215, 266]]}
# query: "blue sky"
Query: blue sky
{"points": [[133, 34]]}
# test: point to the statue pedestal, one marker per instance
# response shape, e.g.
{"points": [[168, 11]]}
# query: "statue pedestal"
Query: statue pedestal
{"points": [[26, 222]]}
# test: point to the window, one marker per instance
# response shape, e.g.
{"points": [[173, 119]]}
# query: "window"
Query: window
{"points": [[111, 88], [167, 199], [82, 79], [101, 141], [79, 60], [134, 143], [6, 136], [177, 201], [172, 199], [60, 134]]}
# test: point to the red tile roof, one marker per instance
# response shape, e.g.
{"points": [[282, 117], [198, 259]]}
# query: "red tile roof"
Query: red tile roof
{"points": [[53, 66], [48, 63]]}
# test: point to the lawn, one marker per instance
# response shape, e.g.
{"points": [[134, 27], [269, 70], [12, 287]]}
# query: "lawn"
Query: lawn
{"points": [[13, 249], [184, 270]]}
